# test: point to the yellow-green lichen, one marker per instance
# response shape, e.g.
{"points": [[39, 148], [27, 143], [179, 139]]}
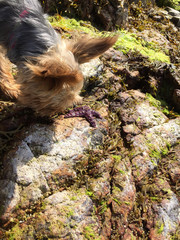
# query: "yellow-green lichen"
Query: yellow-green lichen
{"points": [[161, 228], [89, 233], [103, 207], [69, 24], [127, 41], [90, 193], [15, 233], [117, 157]]}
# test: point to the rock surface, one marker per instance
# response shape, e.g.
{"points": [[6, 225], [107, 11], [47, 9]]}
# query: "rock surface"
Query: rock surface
{"points": [[175, 16], [70, 181], [66, 180]]}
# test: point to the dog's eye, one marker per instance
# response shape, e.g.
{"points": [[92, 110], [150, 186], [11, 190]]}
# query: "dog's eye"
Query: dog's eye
{"points": [[43, 72]]}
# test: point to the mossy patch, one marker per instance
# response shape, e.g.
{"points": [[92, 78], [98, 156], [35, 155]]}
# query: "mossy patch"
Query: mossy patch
{"points": [[89, 233], [71, 24], [160, 105], [17, 232], [127, 41]]}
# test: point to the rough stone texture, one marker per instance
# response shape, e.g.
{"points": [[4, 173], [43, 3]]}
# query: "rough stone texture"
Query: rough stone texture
{"points": [[120, 180], [61, 183], [155, 36], [158, 131], [70, 215], [44, 151], [123, 195], [106, 13]]}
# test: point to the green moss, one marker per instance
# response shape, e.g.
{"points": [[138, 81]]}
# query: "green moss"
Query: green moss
{"points": [[176, 5], [121, 171], [116, 189], [164, 151], [117, 201], [70, 24], [70, 213], [161, 228], [117, 157], [73, 198], [170, 3], [154, 198], [155, 154], [15, 233], [90, 193], [127, 41], [89, 233], [154, 102], [103, 207], [160, 105]]}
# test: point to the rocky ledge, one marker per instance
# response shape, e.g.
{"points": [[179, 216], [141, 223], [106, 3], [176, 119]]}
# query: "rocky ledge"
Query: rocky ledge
{"points": [[62, 179]]}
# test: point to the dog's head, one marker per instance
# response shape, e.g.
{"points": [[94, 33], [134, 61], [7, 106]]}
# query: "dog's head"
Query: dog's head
{"points": [[52, 82]]}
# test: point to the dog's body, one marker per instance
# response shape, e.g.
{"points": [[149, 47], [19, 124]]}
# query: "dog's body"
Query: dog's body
{"points": [[49, 78]]}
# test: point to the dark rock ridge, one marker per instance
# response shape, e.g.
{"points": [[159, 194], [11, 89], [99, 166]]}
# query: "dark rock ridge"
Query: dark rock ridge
{"points": [[106, 13]]}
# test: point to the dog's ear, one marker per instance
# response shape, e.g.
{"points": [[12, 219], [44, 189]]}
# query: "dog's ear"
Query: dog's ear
{"points": [[86, 48], [49, 68]]}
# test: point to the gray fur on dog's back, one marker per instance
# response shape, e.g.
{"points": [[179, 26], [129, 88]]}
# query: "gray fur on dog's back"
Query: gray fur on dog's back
{"points": [[26, 35]]}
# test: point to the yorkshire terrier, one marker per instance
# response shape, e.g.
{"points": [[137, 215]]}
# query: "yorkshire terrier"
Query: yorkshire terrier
{"points": [[49, 78]]}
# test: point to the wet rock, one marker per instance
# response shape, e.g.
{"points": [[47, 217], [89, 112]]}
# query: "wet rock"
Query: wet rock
{"points": [[154, 235], [9, 196], [176, 20], [72, 209], [132, 78], [122, 14], [168, 213], [92, 69], [172, 11], [105, 18], [106, 227]]}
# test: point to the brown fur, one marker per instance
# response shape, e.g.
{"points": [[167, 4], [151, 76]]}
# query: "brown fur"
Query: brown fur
{"points": [[7, 82], [52, 82]]}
